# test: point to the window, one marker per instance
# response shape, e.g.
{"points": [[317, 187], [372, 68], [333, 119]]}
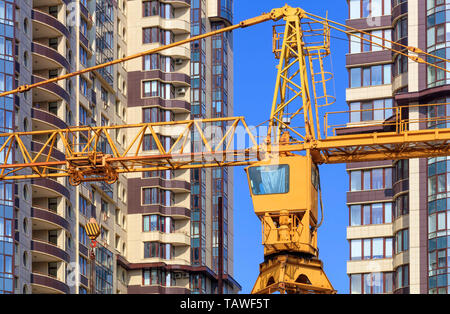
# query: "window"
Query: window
{"points": [[156, 276], [158, 250], [53, 43], [158, 223], [83, 116], [83, 237], [163, 174], [365, 8], [374, 110], [370, 42], [150, 8], [84, 86], [151, 115], [401, 29], [401, 205], [83, 27], [157, 196], [377, 213], [104, 208], [83, 56], [370, 76], [158, 62], [355, 250], [402, 277], [401, 241], [158, 89], [269, 179], [372, 179], [83, 203], [149, 142], [157, 35], [83, 266], [371, 283], [372, 248]]}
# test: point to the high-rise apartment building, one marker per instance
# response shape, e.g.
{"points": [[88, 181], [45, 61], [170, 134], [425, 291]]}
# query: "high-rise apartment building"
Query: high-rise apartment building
{"points": [[159, 230], [398, 210]]}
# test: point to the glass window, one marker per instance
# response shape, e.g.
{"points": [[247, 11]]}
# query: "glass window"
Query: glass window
{"points": [[355, 114], [387, 213], [367, 112], [377, 8], [389, 248], [377, 40], [377, 213], [355, 249], [387, 74], [377, 248], [355, 77], [355, 215], [387, 7], [366, 214], [355, 178], [355, 9], [355, 43], [273, 179], [377, 75], [367, 248], [355, 284], [378, 109], [377, 179], [366, 77], [367, 180]]}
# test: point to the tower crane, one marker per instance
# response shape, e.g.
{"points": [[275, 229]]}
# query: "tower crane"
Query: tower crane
{"points": [[282, 170]]}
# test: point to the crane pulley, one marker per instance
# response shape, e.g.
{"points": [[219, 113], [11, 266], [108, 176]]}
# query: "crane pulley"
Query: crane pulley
{"points": [[282, 170]]}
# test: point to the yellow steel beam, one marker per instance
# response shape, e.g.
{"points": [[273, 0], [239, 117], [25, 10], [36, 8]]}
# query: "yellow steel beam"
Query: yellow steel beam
{"points": [[86, 160]]}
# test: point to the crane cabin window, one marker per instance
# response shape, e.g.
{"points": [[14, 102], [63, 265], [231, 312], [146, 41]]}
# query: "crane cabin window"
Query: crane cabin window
{"points": [[273, 179]]}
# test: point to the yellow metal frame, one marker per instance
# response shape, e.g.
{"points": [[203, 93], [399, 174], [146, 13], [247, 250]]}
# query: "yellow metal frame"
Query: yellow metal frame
{"points": [[85, 161], [291, 262]]}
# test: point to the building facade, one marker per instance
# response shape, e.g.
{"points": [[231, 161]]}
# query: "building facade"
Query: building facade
{"points": [[398, 214], [159, 229]]}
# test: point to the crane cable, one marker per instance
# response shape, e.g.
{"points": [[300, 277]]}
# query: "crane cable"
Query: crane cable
{"points": [[246, 23], [320, 199], [409, 48]]}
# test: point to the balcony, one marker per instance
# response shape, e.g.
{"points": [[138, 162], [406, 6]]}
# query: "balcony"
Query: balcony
{"points": [[176, 186], [46, 58], [178, 3], [44, 252], [45, 25], [174, 78], [50, 92], [44, 284], [45, 219], [56, 154], [177, 26], [48, 3], [175, 238], [44, 120], [49, 188]]}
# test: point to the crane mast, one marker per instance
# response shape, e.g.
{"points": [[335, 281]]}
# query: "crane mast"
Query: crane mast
{"points": [[282, 171]]}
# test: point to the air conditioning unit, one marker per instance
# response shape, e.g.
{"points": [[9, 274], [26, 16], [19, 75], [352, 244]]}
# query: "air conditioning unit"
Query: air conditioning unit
{"points": [[181, 91], [178, 61], [178, 275], [181, 275]]}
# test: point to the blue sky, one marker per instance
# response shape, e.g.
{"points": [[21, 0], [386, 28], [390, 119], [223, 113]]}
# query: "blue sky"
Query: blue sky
{"points": [[254, 81]]}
